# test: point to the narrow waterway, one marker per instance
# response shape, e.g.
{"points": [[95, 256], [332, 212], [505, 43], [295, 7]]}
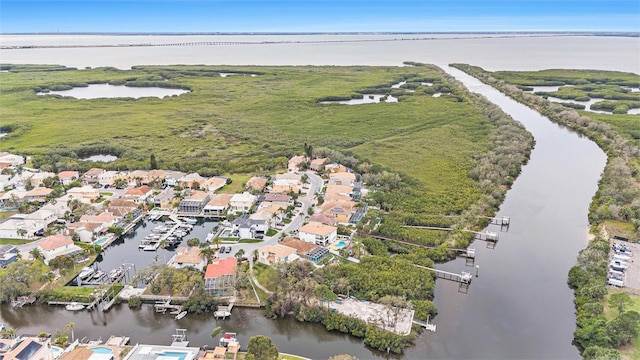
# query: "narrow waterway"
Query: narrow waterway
{"points": [[519, 307]]}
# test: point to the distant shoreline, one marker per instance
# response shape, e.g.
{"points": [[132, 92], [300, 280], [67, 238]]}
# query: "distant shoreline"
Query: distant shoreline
{"points": [[557, 33]]}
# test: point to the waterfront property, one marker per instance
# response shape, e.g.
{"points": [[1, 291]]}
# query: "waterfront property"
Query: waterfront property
{"points": [[220, 277], [57, 245], [318, 233], [26, 348], [8, 254], [307, 250], [194, 203], [242, 203], [275, 254]]}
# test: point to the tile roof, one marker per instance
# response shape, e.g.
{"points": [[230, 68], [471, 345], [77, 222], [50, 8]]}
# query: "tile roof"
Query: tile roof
{"points": [[278, 250], [257, 183], [55, 241], [220, 267], [302, 247], [318, 229], [220, 200], [188, 255], [67, 175], [139, 191]]}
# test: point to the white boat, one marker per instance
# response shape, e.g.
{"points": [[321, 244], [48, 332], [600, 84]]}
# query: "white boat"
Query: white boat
{"points": [[190, 220], [98, 275], [151, 247], [227, 338], [115, 273], [86, 272], [181, 315], [74, 306], [221, 314]]}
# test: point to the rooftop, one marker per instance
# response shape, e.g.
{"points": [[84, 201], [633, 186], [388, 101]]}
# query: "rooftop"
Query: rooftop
{"points": [[139, 191], [55, 241], [220, 267], [257, 183], [302, 247], [188, 256], [220, 200], [318, 229], [278, 250]]}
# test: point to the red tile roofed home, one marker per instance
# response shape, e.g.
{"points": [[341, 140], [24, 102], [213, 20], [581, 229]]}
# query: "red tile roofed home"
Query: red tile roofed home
{"points": [[323, 218], [318, 233], [138, 194], [256, 183], [56, 245], [102, 218], [37, 194], [215, 183], [91, 176], [220, 277], [318, 164], [67, 177], [294, 163]]}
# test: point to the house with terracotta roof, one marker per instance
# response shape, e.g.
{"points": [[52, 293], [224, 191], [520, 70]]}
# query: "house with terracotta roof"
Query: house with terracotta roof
{"points": [[67, 177], [188, 257], [56, 245], [193, 181], [341, 210], [194, 202], [326, 219], [338, 193], [165, 199], [318, 233], [275, 254], [318, 164], [215, 183], [38, 194], [306, 250], [218, 205], [121, 207], [295, 161], [256, 183], [157, 175], [138, 195], [138, 178], [278, 199], [91, 176], [86, 192], [334, 168], [220, 277], [85, 232]]}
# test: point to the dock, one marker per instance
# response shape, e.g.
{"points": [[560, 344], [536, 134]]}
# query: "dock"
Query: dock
{"points": [[464, 278], [21, 301], [426, 325]]}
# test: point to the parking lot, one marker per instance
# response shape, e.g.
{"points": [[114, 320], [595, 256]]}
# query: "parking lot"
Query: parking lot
{"points": [[632, 273]]}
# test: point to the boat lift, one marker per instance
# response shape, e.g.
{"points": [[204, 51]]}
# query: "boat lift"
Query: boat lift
{"points": [[464, 278]]}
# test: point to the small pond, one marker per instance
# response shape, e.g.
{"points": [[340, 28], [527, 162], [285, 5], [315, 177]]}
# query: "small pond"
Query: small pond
{"points": [[225, 74], [99, 91], [101, 158], [3, 134], [366, 99]]}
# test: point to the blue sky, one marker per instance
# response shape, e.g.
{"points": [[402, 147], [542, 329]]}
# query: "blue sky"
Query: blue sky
{"points": [[318, 16]]}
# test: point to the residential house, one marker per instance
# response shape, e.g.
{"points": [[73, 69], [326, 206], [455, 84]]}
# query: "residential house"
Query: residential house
{"points": [[38, 194], [192, 181], [138, 178], [67, 177], [38, 178], [342, 178], [246, 228], [306, 250], [318, 233], [91, 176], [121, 208], [14, 160], [59, 208], [220, 277], [86, 192], [242, 203], [341, 210], [20, 228], [218, 205], [275, 254], [323, 218], [273, 212], [338, 193], [194, 203], [138, 195], [285, 183], [4, 180], [85, 232], [57, 245], [104, 220], [188, 257], [20, 180], [42, 218], [107, 178], [256, 183], [215, 183], [279, 199], [318, 164], [335, 168], [8, 254], [164, 200], [157, 175], [172, 178], [263, 221], [294, 163], [27, 348], [13, 198]]}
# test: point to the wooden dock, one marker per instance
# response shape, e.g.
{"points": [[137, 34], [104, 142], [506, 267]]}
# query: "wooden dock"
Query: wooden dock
{"points": [[21, 301]]}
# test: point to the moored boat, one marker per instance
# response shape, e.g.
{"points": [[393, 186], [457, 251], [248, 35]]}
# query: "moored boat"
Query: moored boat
{"points": [[86, 272], [181, 315], [74, 306]]}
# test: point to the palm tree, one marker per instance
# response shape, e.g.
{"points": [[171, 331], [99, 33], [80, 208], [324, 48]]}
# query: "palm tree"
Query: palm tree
{"points": [[208, 253], [35, 252], [70, 327]]}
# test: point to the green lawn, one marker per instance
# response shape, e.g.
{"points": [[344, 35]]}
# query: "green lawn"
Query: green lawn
{"points": [[633, 351], [14, 241], [266, 276]]}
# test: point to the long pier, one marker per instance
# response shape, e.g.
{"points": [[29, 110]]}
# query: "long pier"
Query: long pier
{"points": [[463, 278]]}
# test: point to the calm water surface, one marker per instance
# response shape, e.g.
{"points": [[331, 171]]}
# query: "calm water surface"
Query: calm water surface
{"points": [[519, 307]]}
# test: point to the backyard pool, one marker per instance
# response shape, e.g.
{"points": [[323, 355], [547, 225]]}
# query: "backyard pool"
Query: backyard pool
{"points": [[339, 245], [101, 350], [174, 354], [100, 241], [57, 351]]}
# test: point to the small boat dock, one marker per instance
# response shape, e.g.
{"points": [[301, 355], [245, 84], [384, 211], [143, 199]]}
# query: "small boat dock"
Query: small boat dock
{"points": [[21, 301]]}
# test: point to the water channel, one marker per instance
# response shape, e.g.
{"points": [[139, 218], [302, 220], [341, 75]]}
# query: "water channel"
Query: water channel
{"points": [[518, 307]]}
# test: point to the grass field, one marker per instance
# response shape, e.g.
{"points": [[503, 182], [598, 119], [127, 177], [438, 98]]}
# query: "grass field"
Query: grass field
{"points": [[251, 124], [631, 351]]}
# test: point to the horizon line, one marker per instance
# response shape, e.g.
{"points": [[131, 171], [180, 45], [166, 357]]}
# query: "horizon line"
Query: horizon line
{"points": [[596, 32]]}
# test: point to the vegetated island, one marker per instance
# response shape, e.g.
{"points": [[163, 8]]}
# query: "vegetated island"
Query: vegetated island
{"points": [[606, 317], [432, 157]]}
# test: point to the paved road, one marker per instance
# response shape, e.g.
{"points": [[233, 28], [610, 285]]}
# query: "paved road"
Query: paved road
{"points": [[307, 201]]}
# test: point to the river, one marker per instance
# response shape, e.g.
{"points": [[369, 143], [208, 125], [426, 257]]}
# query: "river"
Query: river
{"points": [[519, 306]]}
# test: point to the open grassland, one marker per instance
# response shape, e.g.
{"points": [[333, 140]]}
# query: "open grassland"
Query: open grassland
{"points": [[251, 124]]}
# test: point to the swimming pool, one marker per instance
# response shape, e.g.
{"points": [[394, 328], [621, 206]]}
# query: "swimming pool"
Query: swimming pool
{"points": [[102, 350], [339, 245], [174, 354], [56, 350], [100, 241]]}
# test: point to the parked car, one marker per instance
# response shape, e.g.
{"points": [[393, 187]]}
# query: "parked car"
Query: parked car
{"points": [[228, 250], [222, 250]]}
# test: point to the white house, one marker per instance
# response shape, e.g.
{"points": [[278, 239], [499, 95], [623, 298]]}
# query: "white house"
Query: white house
{"points": [[218, 204], [67, 177], [38, 178], [14, 160], [85, 192], [12, 198], [20, 228], [318, 233], [188, 257], [57, 245], [342, 178], [245, 227], [274, 254], [242, 203]]}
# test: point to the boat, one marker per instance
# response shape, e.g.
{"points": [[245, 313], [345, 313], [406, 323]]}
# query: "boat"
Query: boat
{"points": [[74, 306], [181, 315], [98, 275], [86, 272], [151, 247], [227, 338], [190, 220], [115, 273], [221, 314]]}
